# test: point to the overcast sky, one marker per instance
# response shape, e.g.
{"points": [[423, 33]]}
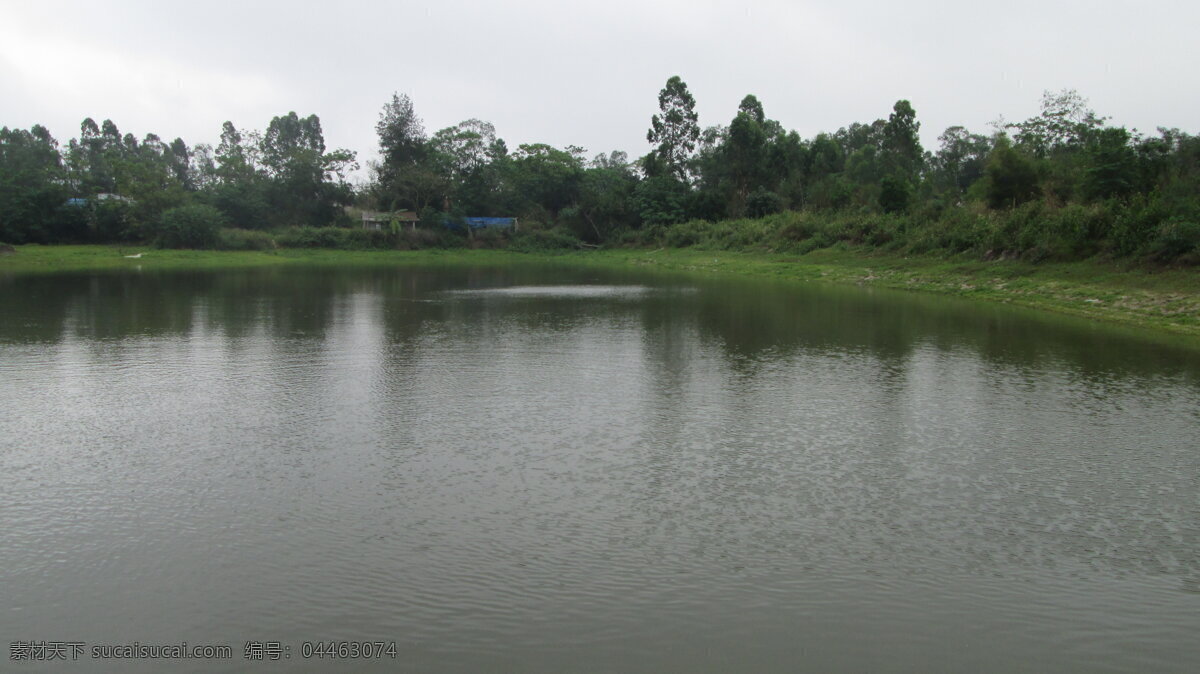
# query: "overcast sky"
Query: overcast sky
{"points": [[589, 73]]}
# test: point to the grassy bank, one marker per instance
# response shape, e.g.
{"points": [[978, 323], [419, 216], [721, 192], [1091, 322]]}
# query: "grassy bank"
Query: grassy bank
{"points": [[49, 259], [1160, 299], [1166, 300]]}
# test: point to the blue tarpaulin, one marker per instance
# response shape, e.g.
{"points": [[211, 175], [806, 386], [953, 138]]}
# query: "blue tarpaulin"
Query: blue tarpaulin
{"points": [[482, 223]]}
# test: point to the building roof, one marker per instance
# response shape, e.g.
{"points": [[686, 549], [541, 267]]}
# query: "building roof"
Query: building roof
{"points": [[385, 216]]}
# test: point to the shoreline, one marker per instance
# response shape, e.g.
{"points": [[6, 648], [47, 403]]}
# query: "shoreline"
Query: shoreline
{"points": [[1160, 300]]}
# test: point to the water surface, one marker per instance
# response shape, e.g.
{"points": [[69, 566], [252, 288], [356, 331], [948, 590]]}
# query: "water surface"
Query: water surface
{"points": [[532, 469]]}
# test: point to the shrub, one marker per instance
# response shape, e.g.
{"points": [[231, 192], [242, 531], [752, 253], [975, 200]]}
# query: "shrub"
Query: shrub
{"points": [[762, 202], [415, 239], [798, 228], [894, 195], [112, 220], [367, 239], [194, 226], [244, 239], [487, 237], [685, 234], [71, 223], [1135, 225], [1176, 239], [335, 237], [543, 240]]}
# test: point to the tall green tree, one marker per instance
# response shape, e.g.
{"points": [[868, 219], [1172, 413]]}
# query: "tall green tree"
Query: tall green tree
{"points": [[746, 154], [712, 176], [901, 143], [89, 160], [146, 178], [675, 130], [894, 194], [235, 158], [468, 156], [753, 108], [825, 157], [308, 185], [787, 159], [547, 176], [293, 145], [661, 200], [1012, 178], [239, 186], [1065, 122], [604, 202], [32, 187], [180, 158], [464, 148], [402, 176], [148, 174], [961, 159], [1112, 164], [401, 134]]}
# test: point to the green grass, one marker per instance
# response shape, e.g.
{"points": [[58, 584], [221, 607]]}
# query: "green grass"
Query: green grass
{"points": [[1163, 299], [1160, 299], [50, 259]]}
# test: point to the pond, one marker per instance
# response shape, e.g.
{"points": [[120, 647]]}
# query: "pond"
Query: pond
{"points": [[541, 469]]}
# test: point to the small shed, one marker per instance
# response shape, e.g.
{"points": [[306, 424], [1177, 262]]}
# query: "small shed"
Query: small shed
{"points": [[382, 220]]}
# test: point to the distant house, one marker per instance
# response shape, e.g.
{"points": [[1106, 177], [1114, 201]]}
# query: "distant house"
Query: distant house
{"points": [[481, 223], [383, 220]]}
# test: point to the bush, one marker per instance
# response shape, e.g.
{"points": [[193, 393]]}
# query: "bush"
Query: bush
{"points": [[244, 239], [762, 202], [1011, 177], [112, 220], [195, 226], [1075, 231], [367, 239], [649, 235], [70, 224], [543, 240], [244, 203], [335, 237], [1135, 224], [488, 237], [416, 239], [1177, 240], [685, 234], [894, 195]]}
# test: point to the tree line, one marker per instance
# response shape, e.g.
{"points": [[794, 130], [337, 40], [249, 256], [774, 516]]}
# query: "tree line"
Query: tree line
{"points": [[1061, 184]]}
